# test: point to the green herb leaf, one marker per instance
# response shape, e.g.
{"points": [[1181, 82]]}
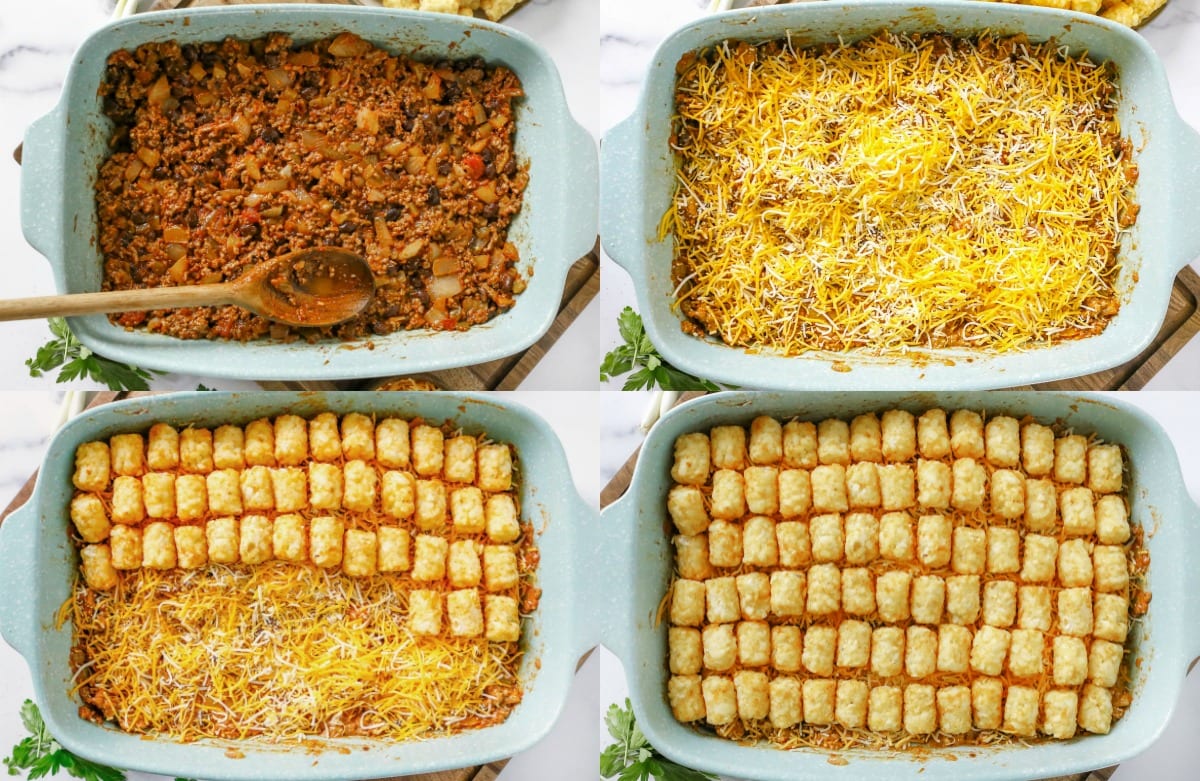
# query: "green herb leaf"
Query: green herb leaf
{"points": [[639, 358], [632, 758], [42, 756], [75, 361]]}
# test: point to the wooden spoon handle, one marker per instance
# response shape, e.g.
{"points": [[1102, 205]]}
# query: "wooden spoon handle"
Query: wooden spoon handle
{"points": [[118, 301]]}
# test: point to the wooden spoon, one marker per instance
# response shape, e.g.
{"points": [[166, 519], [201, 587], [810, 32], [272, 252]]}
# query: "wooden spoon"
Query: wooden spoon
{"points": [[310, 287]]}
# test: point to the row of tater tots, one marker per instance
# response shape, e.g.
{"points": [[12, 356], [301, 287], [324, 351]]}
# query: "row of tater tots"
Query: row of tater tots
{"points": [[916, 708], [897, 436]]}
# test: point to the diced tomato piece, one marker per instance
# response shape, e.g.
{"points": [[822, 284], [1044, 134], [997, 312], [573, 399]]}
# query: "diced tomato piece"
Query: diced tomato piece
{"points": [[474, 165], [251, 215]]}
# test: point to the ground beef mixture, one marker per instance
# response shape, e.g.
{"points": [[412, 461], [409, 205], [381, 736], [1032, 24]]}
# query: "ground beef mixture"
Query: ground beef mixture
{"points": [[229, 154]]}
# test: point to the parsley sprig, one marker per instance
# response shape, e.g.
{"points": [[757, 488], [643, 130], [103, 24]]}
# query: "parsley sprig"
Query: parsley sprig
{"points": [[77, 362], [632, 758], [41, 754], [639, 356]]}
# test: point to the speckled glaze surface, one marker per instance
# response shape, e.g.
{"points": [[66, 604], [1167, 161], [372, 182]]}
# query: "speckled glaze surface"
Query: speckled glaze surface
{"points": [[556, 225], [637, 170], [1164, 642], [39, 564]]}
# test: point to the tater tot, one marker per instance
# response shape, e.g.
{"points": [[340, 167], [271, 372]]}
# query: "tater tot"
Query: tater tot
{"points": [[754, 595], [887, 651], [966, 434], [191, 497], [289, 540], [827, 537], [795, 493], [391, 443], [687, 596], [324, 441], [766, 440], [162, 447], [1075, 563], [725, 544], [692, 459], [1096, 709], [1111, 621], [259, 443], [191, 549], [786, 643], [326, 488], [754, 643], [933, 484], [862, 538], [325, 540], [954, 648], [920, 714], [858, 591], [1070, 459], [728, 496], [897, 487], [970, 551], [820, 696], [196, 450], [92, 467], [424, 612], [289, 487], [224, 491], [987, 696], [854, 644], [258, 493], [221, 534], [719, 646], [127, 504], [459, 465], [255, 544], [1037, 449], [891, 595], [125, 543], [933, 436], [962, 599], [429, 558], [934, 538], [1003, 442], [1075, 612], [728, 447], [1104, 468], [463, 564], [899, 435], [851, 707], [430, 512], [89, 517], [885, 709], [954, 709], [762, 489], [358, 437], [1078, 511], [502, 620], [1041, 505], [969, 484], [685, 505], [999, 603], [920, 654], [753, 697], [989, 649], [1008, 493], [1003, 549], [862, 485], [97, 567], [495, 468], [833, 442], [928, 599], [1021, 710], [720, 699], [896, 536], [361, 486], [428, 450], [500, 573], [824, 589], [829, 488], [291, 440], [501, 514], [820, 650], [1112, 520], [785, 709], [1061, 712], [360, 553], [866, 438], [795, 547], [393, 549], [759, 548], [787, 592], [128, 454], [229, 450], [800, 444], [466, 510], [158, 546], [466, 613]]}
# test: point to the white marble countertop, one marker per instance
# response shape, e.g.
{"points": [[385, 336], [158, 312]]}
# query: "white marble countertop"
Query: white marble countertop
{"points": [[37, 40], [1174, 757], [629, 36], [570, 751]]}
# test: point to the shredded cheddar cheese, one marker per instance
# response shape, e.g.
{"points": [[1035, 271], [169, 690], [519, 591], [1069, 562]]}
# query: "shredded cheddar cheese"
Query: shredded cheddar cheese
{"points": [[897, 193], [280, 652]]}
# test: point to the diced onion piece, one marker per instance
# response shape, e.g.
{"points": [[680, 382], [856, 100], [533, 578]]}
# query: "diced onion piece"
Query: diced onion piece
{"points": [[445, 287], [304, 59], [133, 169], [310, 139], [414, 163], [348, 45], [204, 98], [175, 251], [487, 193], [278, 78], [178, 270], [175, 235], [445, 265], [411, 249], [433, 87], [367, 120], [197, 71], [434, 315], [479, 113], [148, 156], [159, 92], [382, 234], [241, 125], [271, 186], [393, 148]]}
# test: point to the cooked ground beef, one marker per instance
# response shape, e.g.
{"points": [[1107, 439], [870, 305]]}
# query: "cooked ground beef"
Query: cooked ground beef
{"points": [[229, 154]]}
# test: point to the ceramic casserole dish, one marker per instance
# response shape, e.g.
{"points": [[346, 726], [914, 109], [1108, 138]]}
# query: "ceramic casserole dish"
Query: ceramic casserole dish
{"points": [[40, 564], [555, 227], [637, 173], [1164, 642]]}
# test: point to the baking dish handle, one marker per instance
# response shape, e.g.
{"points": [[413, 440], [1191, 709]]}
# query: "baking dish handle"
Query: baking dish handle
{"points": [[605, 560], [622, 194], [17, 553], [1187, 172], [582, 193], [41, 183]]}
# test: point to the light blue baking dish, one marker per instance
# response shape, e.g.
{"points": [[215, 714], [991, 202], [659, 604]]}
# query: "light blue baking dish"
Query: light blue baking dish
{"points": [[556, 225], [39, 566], [637, 182], [1164, 642]]}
